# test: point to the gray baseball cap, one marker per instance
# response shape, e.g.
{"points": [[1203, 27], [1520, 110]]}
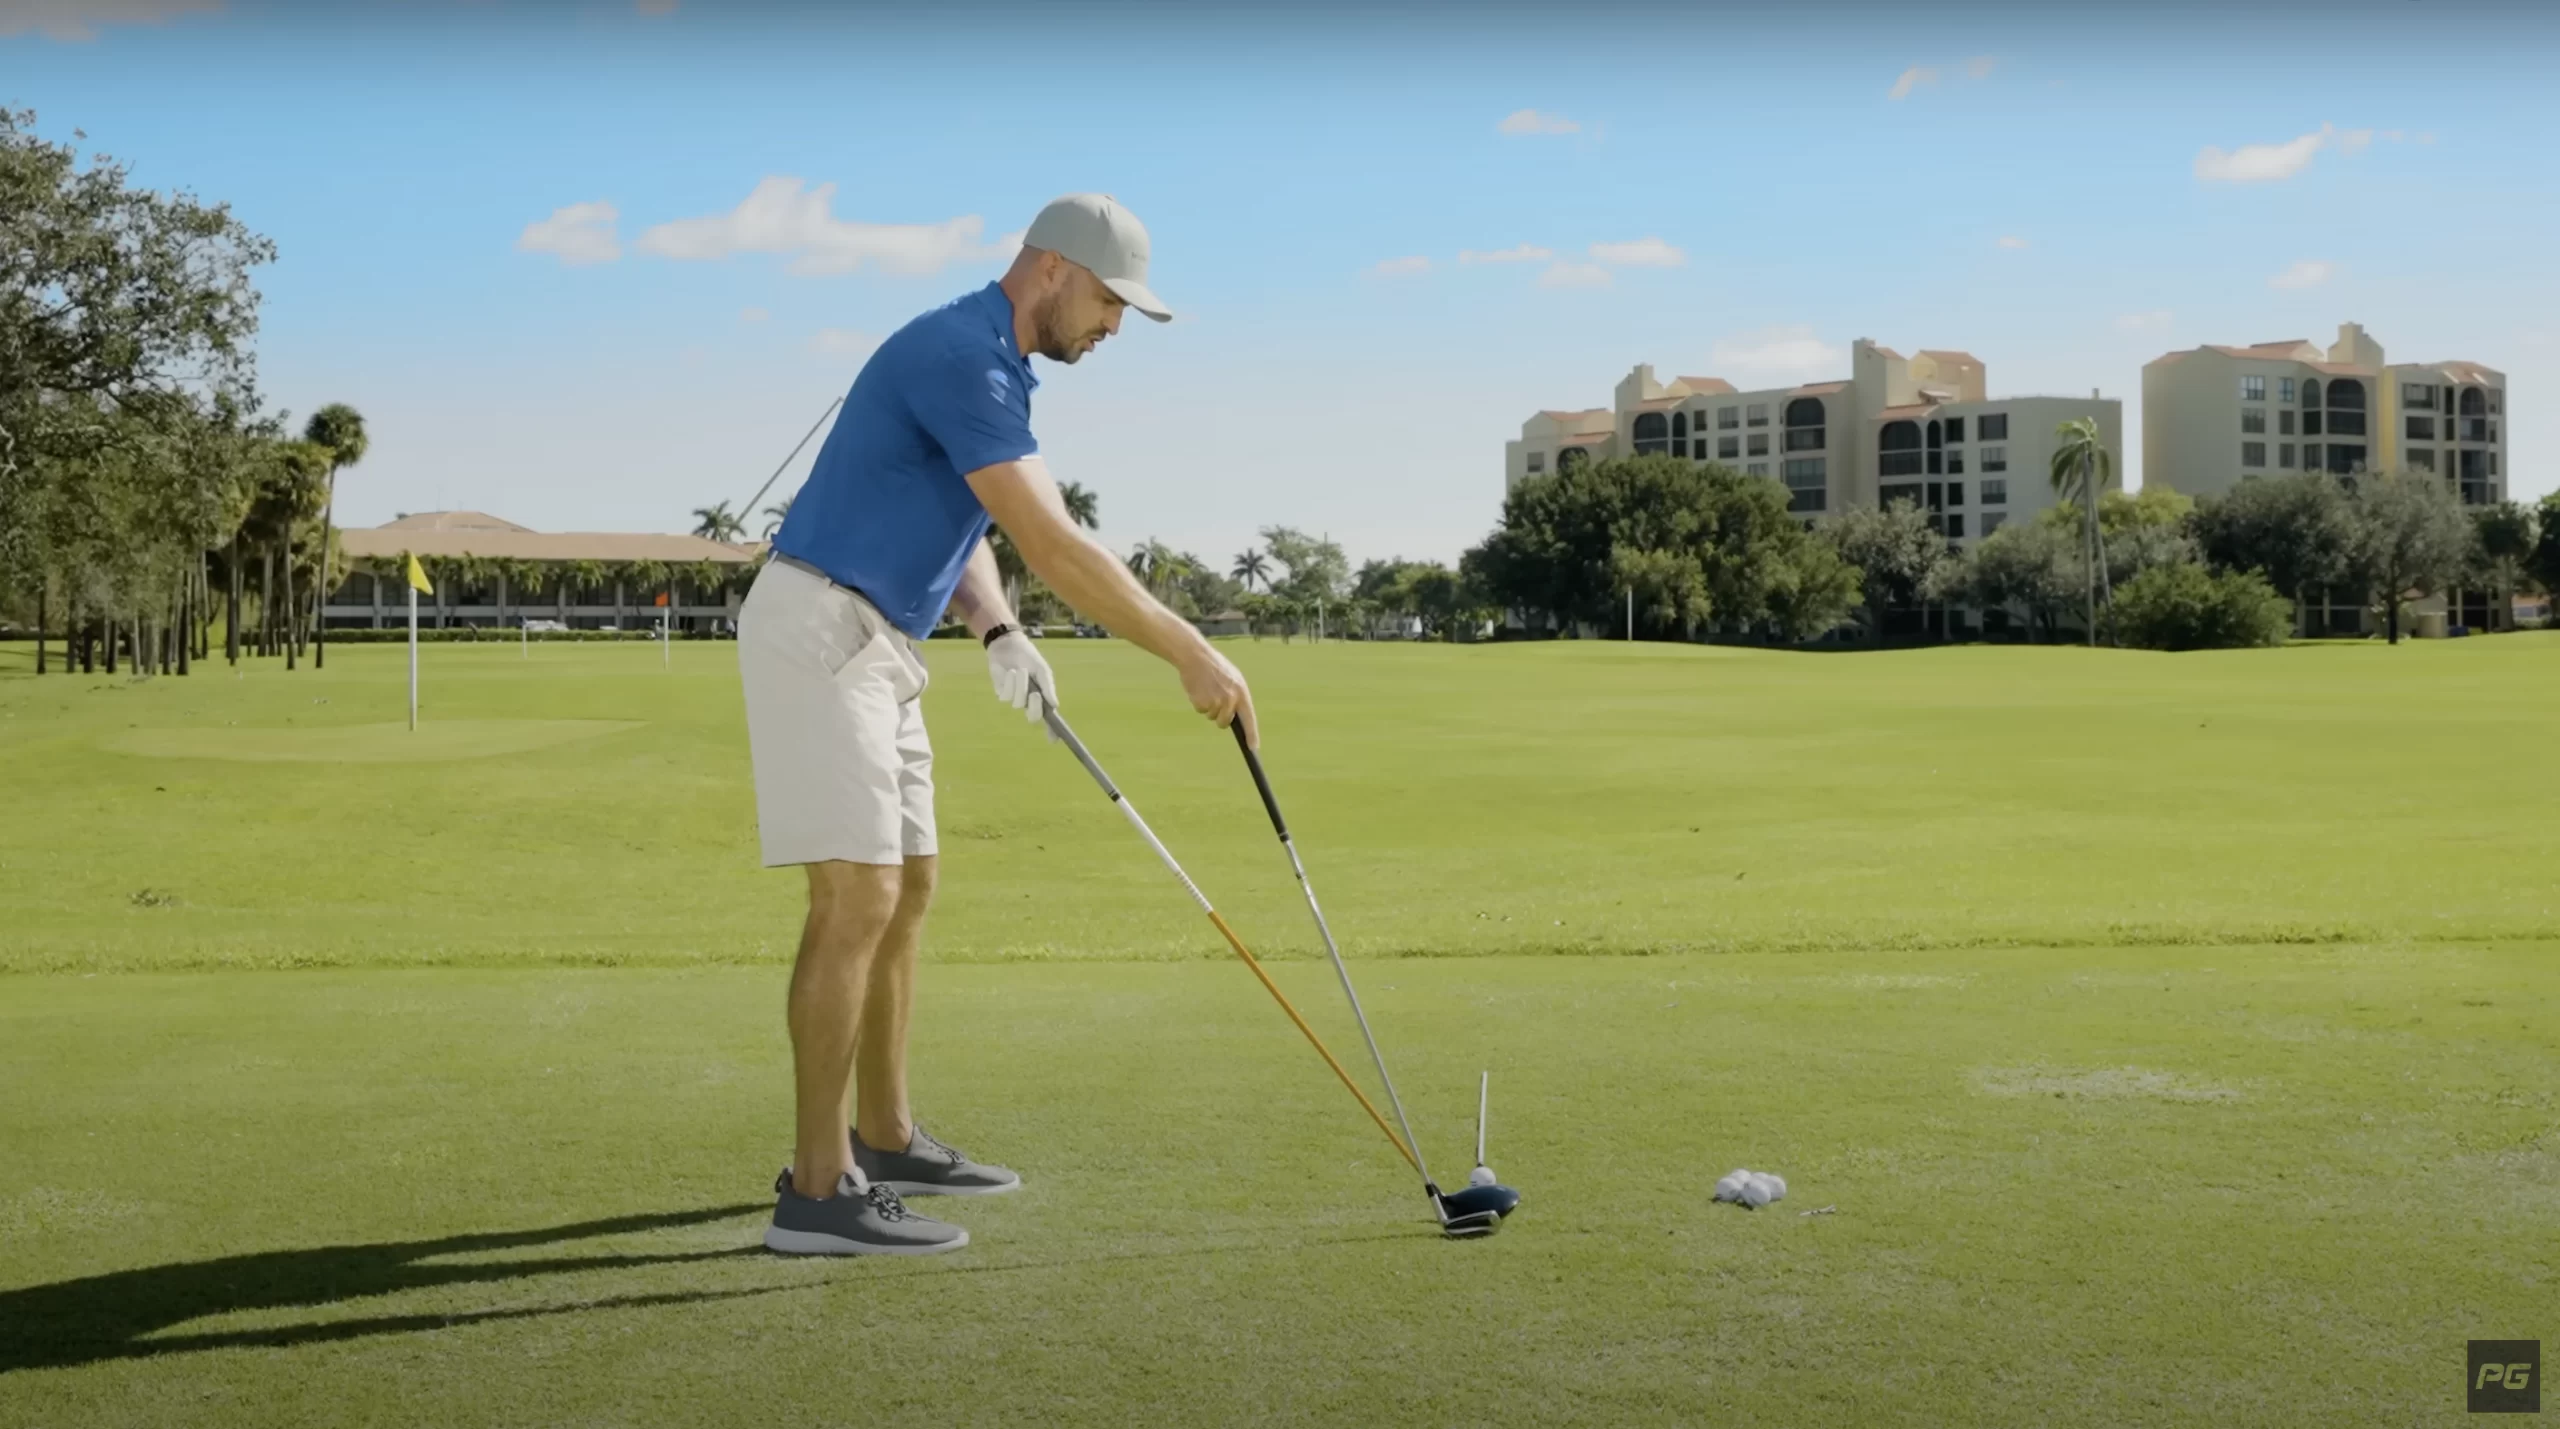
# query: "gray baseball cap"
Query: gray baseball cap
{"points": [[1093, 231]]}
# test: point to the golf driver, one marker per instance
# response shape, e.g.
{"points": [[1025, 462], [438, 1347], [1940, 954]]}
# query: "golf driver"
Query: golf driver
{"points": [[1474, 1211], [1067, 736]]}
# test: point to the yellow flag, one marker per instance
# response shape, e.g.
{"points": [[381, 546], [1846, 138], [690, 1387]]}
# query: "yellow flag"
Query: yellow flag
{"points": [[418, 578]]}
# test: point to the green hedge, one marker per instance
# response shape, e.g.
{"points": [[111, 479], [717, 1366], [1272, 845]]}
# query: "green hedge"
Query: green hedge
{"points": [[498, 635]]}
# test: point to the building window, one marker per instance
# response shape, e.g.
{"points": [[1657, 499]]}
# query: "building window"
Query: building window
{"points": [[2311, 391], [1804, 439], [1995, 428], [2421, 429], [1806, 412], [1652, 432], [1955, 493], [2493, 463], [2494, 395], [1888, 497], [1993, 521], [1728, 448], [2253, 419], [2284, 455], [2422, 458], [1955, 461], [1679, 425], [1937, 451], [2311, 424], [1995, 458], [2284, 422], [1757, 468], [1898, 449], [1806, 483], [2346, 407], [1955, 525], [2345, 424], [1728, 418], [2253, 453], [1759, 444], [1996, 493], [1679, 446], [1759, 415], [2475, 403], [2284, 389], [2418, 395], [2253, 389], [1955, 430], [1537, 461]]}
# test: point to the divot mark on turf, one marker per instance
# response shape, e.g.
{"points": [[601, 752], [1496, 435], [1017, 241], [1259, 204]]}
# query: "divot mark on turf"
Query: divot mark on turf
{"points": [[393, 743], [2097, 1084]]}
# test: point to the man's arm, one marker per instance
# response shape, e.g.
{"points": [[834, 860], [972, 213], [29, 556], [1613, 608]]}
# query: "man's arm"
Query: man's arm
{"points": [[980, 595], [1024, 500]]}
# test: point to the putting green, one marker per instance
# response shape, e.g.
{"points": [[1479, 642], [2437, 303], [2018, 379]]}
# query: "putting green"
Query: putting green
{"points": [[365, 743]]}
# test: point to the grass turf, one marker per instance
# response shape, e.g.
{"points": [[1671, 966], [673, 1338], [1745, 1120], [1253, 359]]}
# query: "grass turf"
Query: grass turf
{"points": [[1978, 947]]}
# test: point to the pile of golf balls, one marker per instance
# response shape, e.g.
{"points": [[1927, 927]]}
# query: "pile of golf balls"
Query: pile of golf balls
{"points": [[1752, 1188]]}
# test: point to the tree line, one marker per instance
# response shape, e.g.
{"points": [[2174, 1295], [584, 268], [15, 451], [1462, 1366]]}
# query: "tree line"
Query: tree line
{"points": [[144, 491]]}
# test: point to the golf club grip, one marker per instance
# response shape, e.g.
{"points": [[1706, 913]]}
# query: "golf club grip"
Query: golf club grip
{"points": [[1261, 782]]}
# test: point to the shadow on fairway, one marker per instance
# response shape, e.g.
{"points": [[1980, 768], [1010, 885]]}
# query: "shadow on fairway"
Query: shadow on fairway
{"points": [[107, 1317]]}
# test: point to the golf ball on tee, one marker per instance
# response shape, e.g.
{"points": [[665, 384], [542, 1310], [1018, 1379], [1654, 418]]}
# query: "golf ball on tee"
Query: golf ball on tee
{"points": [[1481, 1176]]}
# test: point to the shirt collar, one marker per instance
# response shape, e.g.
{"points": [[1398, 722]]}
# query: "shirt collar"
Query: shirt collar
{"points": [[999, 312]]}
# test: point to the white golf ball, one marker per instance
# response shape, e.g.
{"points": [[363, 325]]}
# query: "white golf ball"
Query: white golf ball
{"points": [[1481, 1176], [1774, 1184], [1755, 1192], [1730, 1188]]}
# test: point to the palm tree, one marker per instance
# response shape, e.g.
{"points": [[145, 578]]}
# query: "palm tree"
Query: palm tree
{"points": [[718, 523], [774, 515], [1084, 507], [337, 430], [1253, 568], [302, 468], [2082, 466]]}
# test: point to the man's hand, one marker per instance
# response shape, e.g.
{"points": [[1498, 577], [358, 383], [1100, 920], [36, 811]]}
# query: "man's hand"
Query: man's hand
{"points": [[1217, 690], [1015, 664]]}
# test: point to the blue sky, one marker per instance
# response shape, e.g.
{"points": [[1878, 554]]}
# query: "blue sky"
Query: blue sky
{"points": [[1706, 189]]}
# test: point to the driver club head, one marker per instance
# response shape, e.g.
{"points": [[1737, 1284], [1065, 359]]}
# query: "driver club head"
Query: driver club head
{"points": [[1475, 1211]]}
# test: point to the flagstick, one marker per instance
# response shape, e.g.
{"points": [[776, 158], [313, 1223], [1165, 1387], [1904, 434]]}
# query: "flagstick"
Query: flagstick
{"points": [[413, 657]]}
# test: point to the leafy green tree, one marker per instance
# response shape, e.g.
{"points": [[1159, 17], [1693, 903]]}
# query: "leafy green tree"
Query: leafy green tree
{"points": [[2296, 529], [1668, 588], [338, 431], [2032, 565], [2502, 542], [2183, 606], [1313, 569], [2411, 539], [2543, 564], [1811, 590], [2081, 468], [1897, 555]]}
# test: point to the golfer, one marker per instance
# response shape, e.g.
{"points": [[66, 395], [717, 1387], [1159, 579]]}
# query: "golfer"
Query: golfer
{"points": [[889, 531]]}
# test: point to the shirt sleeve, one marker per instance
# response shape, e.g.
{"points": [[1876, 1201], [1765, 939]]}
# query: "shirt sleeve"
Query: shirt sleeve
{"points": [[973, 404]]}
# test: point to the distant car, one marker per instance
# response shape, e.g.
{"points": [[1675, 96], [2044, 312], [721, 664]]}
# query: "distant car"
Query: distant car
{"points": [[539, 626]]}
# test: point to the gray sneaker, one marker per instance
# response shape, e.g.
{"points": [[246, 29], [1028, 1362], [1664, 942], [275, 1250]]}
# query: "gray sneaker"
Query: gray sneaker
{"points": [[929, 1168], [853, 1221]]}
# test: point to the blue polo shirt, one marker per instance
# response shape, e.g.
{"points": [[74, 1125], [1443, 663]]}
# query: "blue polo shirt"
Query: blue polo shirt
{"points": [[887, 509]]}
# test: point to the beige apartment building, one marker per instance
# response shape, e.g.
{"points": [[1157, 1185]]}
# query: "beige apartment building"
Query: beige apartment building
{"points": [[2213, 417], [1920, 428]]}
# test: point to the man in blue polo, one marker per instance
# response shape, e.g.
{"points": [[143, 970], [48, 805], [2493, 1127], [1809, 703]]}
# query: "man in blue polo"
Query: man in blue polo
{"points": [[889, 531]]}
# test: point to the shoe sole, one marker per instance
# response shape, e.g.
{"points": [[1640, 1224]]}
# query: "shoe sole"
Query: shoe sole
{"points": [[927, 1188], [821, 1243]]}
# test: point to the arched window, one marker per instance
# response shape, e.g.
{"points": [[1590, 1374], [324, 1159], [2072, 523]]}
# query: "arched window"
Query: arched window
{"points": [[1653, 432], [2346, 407], [1805, 424], [2475, 403], [1679, 425], [1898, 449]]}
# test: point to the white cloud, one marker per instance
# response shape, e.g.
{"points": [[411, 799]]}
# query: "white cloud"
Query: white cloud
{"points": [[2265, 163], [1574, 275], [580, 234], [785, 218], [2308, 273], [1525, 253], [2153, 321], [1778, 354], [1537, 121], [1647, 252], [1401, 267], [2012, 240], [1911, 79], [2392, 136], [74, 21], [753, 315], [1980, 67], [842, 342]]}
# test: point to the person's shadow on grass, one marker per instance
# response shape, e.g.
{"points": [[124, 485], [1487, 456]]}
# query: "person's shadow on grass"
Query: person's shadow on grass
{"points": [[118, 1315]]}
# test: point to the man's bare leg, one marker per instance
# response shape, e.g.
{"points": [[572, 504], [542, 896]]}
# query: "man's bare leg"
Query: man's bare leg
{"points": [[880, 1056], [851, 907]]}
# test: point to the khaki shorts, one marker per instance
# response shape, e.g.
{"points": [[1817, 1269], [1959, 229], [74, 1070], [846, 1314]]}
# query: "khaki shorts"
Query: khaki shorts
{"points": [[835, 724]]}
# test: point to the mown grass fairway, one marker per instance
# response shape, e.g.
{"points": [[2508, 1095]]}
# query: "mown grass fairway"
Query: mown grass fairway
{"points": [[2174, 1038]]}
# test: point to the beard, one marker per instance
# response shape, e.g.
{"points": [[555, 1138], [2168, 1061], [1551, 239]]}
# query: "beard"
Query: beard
{"points": [[1054, 342]]}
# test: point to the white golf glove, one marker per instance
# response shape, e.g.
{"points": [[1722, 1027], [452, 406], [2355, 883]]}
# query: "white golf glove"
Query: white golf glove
{"points": [[1014, 662]]}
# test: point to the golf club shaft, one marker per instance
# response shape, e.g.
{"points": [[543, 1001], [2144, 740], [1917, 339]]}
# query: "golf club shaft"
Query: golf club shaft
{"points": [[1058, 727], [1280, 826], [1484, 1087]]}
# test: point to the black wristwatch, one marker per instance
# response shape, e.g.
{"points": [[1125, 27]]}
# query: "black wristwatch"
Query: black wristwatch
{"points": [[996, 633]]}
